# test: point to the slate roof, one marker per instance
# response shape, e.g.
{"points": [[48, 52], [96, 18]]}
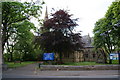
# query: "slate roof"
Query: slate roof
{"points": [[87, 40]]}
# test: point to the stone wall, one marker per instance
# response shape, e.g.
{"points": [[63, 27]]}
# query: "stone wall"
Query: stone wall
{"points": [[78, 68], [86, 55]]}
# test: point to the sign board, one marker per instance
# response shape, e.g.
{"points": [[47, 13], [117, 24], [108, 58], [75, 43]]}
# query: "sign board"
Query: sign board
{"points": [[48, 56], [114, 56]]}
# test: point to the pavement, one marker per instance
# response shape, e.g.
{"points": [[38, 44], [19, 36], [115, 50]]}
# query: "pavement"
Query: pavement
{"points": [[31, 71]]}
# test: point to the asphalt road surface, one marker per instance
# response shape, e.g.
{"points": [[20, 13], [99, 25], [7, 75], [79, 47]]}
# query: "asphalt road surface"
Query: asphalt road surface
{"points": [[31, 73]]}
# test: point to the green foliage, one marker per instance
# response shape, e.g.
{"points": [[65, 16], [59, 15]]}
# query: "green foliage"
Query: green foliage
{"points": [[17, 38], [115, 61], [107, 30], [24, 39]]}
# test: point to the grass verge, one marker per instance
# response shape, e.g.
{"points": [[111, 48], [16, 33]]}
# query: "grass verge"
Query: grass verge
{"points": [[14, 65], [88, 63]]}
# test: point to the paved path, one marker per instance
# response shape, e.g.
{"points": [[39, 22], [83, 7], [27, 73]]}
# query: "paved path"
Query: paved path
{"points": [[26, 70], [31, 71]]}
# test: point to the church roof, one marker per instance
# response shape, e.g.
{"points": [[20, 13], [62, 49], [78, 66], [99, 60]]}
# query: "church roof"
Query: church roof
{"points": [[87, 40], [46, 14]]}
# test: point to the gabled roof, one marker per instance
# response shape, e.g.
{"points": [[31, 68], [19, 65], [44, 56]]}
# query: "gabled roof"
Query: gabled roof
{"points": [[87, 40]]}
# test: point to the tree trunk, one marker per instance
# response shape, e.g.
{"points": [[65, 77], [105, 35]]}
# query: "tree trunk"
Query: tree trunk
{"points": [[11, 53], [105, 56], [11, 56], [4, 38], [60, 58]]}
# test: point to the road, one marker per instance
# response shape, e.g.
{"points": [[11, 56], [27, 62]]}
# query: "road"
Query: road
{"points": [[32, 73]]}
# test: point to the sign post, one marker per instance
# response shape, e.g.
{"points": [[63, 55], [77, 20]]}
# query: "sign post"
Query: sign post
{"points": [[111, 58], [119, 57]]}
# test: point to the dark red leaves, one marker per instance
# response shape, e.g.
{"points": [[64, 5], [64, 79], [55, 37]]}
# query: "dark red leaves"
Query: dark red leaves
{"points": [[58, 34], [60, 19]]}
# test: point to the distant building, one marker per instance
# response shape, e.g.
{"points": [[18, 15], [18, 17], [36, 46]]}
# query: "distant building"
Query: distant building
{"points": [[87, 53]]}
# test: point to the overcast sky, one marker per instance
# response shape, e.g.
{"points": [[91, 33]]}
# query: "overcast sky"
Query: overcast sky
{"points": [[88, 11]]}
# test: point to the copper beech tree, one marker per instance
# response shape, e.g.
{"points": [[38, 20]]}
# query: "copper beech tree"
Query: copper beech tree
{"points": [[58, 36]]}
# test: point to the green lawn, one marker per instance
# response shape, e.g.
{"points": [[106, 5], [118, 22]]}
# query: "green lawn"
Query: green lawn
{"points": [[81, 63], [88, 63], [14, 65]]}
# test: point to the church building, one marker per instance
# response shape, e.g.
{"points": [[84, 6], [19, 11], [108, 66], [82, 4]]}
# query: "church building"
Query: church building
{"points": [[86, 54]]}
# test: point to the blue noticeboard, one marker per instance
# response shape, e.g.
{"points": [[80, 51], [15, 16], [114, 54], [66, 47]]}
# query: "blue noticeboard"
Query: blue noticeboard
{"points": [[114, 56], [48, 56]]}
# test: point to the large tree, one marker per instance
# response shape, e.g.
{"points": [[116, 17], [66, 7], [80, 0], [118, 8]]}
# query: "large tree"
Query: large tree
{"points": [[107, 30], [58, 35], [16, 23], [101, 42], [24, 39]]}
